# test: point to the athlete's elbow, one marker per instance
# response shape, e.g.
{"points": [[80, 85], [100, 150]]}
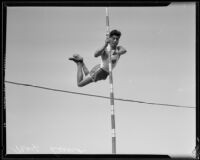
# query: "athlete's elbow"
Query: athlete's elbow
{"points": [[123, 52], [96, 54]]}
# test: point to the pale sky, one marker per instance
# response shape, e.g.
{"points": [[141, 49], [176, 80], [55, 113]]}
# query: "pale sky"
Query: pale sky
{"points": [[159, 66]]}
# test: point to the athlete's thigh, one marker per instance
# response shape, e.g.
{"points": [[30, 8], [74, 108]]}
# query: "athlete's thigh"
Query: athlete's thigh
{"points": [[86, 80]]}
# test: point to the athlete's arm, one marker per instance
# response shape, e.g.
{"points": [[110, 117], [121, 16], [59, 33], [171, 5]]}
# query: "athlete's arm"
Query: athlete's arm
{"points": [[121, 50], [102, 49]]}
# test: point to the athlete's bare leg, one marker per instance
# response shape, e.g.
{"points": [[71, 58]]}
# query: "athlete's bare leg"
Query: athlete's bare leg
{"points": [[83, 76], [85, 69], [81, 79]]}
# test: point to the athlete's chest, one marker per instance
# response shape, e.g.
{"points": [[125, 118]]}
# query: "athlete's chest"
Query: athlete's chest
{"points": [[114, 55]]}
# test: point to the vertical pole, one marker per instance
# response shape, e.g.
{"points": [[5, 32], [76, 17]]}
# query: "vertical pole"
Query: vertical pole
{"points": [[111, 88]]}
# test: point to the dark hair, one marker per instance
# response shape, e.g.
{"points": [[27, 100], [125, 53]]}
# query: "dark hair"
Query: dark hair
{"points": [[115, 32]]}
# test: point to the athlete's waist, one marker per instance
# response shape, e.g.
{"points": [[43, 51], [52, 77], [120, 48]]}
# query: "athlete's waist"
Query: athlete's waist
{"points": [[104, 68]]}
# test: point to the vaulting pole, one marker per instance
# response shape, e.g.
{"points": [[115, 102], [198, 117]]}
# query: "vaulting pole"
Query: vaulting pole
{"points": [[111, 88]]}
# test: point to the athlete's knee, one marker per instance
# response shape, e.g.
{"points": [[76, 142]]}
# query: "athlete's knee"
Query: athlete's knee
{"points": [[85, 81], [80, 84]]}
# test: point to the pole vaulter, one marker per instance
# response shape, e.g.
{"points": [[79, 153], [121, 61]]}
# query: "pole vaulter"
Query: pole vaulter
{"points": [[110, 54]]}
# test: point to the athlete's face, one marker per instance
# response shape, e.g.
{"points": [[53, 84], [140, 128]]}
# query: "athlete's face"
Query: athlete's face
{"points": [[114, 40]]}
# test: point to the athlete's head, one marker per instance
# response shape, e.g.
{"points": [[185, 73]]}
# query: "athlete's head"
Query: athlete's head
{"points": [[114, 36], [115, 32]]}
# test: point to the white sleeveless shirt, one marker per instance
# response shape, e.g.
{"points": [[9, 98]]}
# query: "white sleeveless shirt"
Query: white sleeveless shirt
{"points": [[105, 60]]}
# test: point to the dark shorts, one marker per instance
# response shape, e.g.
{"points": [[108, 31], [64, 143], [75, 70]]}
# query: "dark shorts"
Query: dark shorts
{"points": [[97, 73]]}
